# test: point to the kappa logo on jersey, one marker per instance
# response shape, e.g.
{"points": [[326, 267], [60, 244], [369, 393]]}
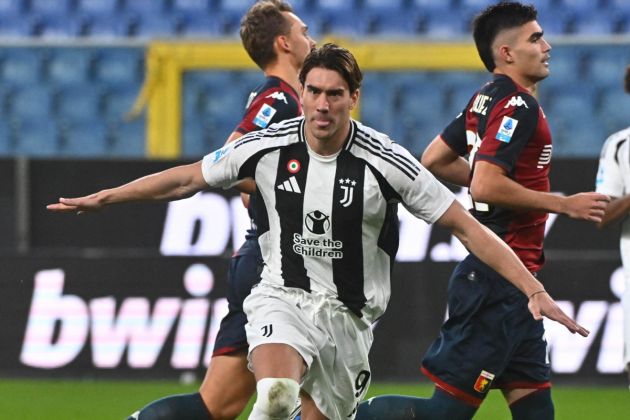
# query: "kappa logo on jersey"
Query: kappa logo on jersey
{"points": [[293, 166], [279, 96], [516, 101], [317, 222], [483, 381], [290, 185], [508, 125], [347, 185], [264, 116], [252, 95]]}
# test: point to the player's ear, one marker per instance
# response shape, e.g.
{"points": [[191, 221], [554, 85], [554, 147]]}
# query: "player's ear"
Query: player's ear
{"points": [[354, 98], [505, 54], [282, 41]]}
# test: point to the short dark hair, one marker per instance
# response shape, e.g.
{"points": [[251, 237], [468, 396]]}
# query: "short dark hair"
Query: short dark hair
{"points": [[260, 26], [333, 57], [626, 80], [494, 19]]}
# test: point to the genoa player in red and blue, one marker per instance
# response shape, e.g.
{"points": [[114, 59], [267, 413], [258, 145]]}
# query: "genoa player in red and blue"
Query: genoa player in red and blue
{"points": [[490, 339]]}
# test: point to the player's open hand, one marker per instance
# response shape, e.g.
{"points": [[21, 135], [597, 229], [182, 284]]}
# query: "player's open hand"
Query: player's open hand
{"points": [[77, 205], [589, 206], [541, 304]]}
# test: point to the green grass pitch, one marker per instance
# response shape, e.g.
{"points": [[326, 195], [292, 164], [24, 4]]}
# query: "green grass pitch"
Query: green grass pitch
{"points": [[75, 400]]}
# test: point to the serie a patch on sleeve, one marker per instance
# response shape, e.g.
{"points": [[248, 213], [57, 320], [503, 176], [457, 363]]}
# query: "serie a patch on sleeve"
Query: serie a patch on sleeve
{"points": [[264, 116], [506, 130]]}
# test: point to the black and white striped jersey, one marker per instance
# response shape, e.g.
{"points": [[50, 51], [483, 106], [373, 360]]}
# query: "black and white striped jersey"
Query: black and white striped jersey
{"points": [[329, 223], [613, 178]]}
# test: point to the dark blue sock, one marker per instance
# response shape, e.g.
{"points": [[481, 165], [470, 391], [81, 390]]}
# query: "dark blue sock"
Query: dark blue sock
{"points": [[399, 407], [537, 405], [184, 406]]}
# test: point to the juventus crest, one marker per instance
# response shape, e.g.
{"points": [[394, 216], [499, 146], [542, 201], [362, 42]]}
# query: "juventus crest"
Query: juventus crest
{"points": [[347, 185]]}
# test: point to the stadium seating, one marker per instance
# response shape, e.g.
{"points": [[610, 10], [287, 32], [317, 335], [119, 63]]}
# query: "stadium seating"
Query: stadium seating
{"points": [[78, 103], [38, 137], [69, 67], [127, 139], [33, 102], [72, 87], [200, 26], [6, 139], [87, 138], [613, 109], [22, 66], [192, 7], [119, 66]]}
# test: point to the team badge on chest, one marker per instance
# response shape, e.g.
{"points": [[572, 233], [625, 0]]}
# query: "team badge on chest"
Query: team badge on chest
{"points": [[347, 186]]}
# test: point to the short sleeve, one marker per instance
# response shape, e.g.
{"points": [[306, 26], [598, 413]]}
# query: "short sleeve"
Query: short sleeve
{"points": [[271, 106], [454, 135], [423, 195]]}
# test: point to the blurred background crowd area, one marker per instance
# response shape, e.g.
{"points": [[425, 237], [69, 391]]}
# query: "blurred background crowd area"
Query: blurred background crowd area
{"points": [[70, 71]]}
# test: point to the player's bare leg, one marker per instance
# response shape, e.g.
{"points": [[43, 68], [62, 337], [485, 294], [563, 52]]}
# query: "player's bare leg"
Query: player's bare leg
{"points": [[309, 410], [227, 386], [511, 395], [278, 369]]}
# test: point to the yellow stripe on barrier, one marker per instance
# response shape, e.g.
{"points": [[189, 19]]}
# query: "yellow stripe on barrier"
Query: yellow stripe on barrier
{"points": [[168, 60]]}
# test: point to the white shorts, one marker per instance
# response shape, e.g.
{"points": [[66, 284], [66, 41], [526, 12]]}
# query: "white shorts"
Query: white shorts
{"points": [[333, 342]]}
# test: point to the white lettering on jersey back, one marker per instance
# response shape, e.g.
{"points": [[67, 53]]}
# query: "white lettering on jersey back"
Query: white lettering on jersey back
{"points": [[479, 104], [516, 101], [279, 96], [290, 185], [545, 156]]}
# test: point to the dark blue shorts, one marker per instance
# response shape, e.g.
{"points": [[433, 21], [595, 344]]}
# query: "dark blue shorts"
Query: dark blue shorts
{"points": [[489, 341], [244, 273]]}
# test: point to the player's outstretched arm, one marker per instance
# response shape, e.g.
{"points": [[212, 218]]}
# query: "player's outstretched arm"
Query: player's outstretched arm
{"points": [[482, 242], [172, 184]]}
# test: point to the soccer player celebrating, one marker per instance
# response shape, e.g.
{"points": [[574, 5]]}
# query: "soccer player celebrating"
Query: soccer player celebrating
{"points": [[278, 42], [328, 233], [490, 339]]}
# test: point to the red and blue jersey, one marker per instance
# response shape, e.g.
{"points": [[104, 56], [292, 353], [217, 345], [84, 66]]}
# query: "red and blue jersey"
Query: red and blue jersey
{"points": [[272, 102], [503, 124]]}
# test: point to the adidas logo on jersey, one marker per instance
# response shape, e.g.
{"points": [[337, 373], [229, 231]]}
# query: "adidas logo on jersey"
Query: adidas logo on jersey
{"points": [[516, 101], [290, 185]]}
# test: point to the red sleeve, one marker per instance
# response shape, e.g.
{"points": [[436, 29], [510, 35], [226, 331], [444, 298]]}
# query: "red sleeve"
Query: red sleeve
{"points": [[268, 107]]}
